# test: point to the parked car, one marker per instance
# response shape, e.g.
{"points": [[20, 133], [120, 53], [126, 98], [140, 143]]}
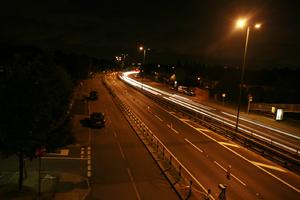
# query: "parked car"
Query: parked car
{"points": [[190, 92], [182, 88], [93, 95], [97, 120]]}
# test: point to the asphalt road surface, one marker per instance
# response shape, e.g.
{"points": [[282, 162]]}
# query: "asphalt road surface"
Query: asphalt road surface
{"points": [[209, 156], [121, 167]]}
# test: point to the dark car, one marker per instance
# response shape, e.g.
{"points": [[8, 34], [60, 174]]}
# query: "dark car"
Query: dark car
{"points": [[93, 95], [190, 92], [97, 119]]}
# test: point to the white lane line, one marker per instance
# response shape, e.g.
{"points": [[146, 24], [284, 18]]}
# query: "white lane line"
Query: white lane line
{"points": [[122, 153], [269, 166], [230, 173], [115, 134], [246, 159], [62, 152], [158, 117], [89, 168], [170, 126], [175, 130], [89, 174], [193, 145], [133, 184], [63, 158]]}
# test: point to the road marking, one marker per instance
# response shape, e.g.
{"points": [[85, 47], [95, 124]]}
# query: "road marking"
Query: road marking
{"points": [[230, 173], [246, 159], [184, 119], [122, 153], [89, 174], [175, 130], [89, 167], [62, 152], [115, 134], [63, 158], [202, 129], [90, 137], [133, 184], [193, 145], [269, 166], [171, 127], [229, 144], [158, 117]]}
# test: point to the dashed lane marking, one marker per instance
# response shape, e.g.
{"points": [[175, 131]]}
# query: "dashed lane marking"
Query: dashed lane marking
{"points": [[193, 145], [239, 180], [246, 159], [121, 150], [133, 184], [160, 119]]}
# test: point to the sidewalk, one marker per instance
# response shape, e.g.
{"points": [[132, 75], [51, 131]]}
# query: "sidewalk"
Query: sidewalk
{"points": [[71, 187]]}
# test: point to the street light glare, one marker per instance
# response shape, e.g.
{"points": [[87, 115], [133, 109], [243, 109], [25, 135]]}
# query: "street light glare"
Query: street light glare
{"points": [[141, 48], [257, 26], [241, 23]]}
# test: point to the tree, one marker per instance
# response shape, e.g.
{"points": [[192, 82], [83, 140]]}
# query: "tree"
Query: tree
{"points": [[33, 100]]}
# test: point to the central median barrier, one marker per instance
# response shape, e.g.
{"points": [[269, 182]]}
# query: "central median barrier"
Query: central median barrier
{"points": [[180, 178]]}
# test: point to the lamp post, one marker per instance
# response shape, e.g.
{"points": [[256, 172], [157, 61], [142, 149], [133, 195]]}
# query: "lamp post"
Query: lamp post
{"points": [[223, 98], [241, 23], [141, 48]]}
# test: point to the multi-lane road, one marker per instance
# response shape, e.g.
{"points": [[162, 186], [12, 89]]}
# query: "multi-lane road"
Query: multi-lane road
{"points": [[207, 155]]}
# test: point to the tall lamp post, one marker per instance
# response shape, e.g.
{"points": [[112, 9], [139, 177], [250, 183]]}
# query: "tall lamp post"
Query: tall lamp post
{"points": [[143, 49], [241, 24]]}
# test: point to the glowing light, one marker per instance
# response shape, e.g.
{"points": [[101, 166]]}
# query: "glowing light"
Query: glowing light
{"points": [[241, 23], [258, 25], [141, 48]]}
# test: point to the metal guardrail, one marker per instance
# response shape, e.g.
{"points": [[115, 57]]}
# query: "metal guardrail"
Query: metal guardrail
{"points": [[184, 183], [287, 155]]}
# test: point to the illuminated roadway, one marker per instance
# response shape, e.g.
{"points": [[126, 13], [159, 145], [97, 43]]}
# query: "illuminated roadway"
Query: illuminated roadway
{"points": [[207, 155], [284, 139]]}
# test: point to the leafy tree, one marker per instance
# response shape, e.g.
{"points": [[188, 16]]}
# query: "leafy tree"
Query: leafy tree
{"points": [[33, 100]]}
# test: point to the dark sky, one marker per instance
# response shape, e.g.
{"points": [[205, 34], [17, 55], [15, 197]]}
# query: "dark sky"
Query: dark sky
{"points": [[174, 30]]}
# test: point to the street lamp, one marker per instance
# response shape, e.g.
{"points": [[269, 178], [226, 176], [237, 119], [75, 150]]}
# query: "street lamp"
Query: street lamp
{"points": [[141, 48], [223, 98], [241, 24]]}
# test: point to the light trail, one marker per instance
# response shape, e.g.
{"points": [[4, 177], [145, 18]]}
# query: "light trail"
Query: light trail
{"points": [[264, 126], [206, 111]]}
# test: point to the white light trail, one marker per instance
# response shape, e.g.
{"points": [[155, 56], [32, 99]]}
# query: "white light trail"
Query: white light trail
{"points": [[206, 110]]}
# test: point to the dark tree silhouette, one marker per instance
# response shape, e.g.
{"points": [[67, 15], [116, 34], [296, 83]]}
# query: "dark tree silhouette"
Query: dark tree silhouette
{"points": [[35, 98]]}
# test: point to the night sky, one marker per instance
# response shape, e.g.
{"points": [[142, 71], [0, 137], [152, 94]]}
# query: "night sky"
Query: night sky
{"points": [[174, 30]]}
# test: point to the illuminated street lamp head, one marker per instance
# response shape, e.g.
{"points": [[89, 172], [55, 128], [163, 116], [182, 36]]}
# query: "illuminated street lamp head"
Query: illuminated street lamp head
{"points": [[141, 48], [257, 26], [241, 23]]}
